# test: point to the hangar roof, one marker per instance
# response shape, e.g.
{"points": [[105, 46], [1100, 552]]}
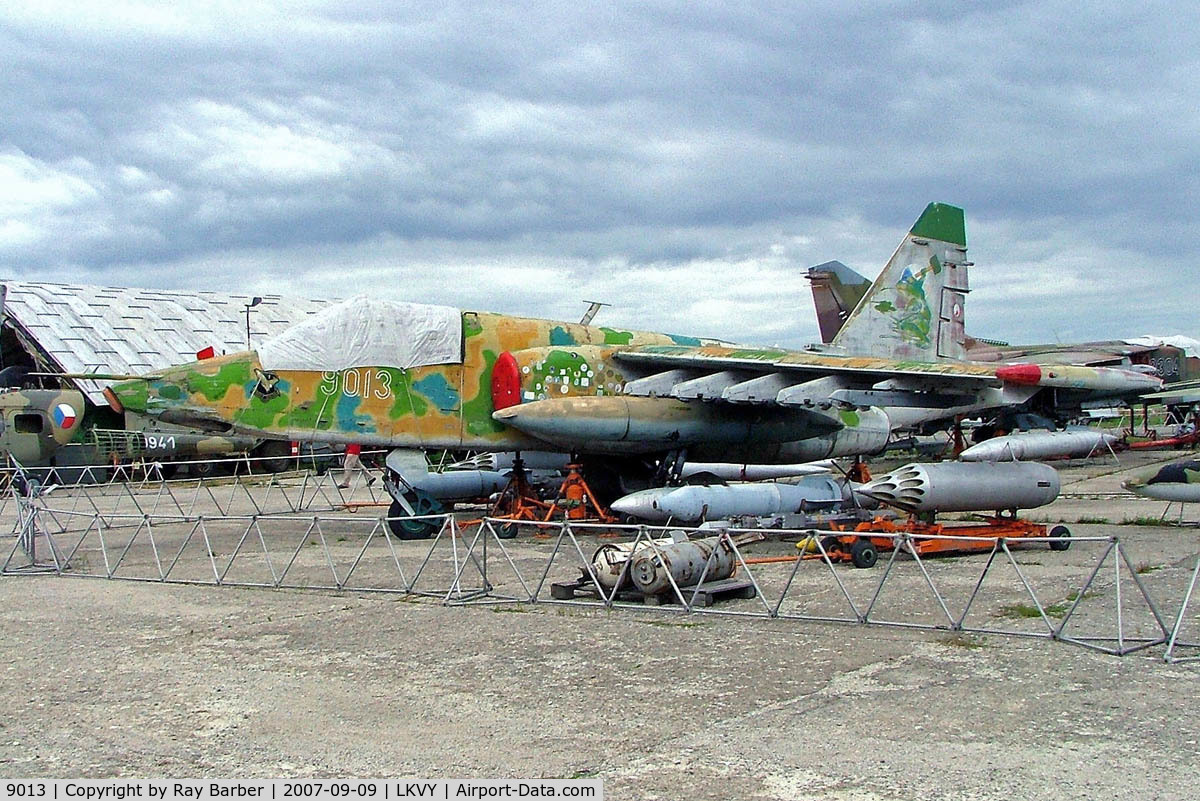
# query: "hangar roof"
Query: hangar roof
{"points": [[77, 328]]}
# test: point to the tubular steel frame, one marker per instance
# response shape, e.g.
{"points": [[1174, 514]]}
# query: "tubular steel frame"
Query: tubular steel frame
{"points": [[458, 565]]}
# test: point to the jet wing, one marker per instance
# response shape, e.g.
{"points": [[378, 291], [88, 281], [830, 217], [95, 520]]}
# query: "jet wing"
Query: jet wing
{"points": [[790, 378], [800, 378], [1184, 392], [1096, 354]]}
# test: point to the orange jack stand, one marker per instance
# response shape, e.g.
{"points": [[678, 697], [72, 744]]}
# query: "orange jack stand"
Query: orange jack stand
{"points": [[859, 472], [518, 501], [960, 444], [575, 499]]}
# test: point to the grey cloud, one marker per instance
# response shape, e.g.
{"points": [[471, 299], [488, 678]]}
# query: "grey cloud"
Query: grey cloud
{"points": [[589, 149]]}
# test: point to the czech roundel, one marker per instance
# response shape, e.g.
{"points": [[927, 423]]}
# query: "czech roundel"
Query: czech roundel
{"points": [[64, 415]]}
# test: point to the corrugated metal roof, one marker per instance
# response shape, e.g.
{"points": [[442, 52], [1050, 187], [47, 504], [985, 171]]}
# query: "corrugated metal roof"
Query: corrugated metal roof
{"points": [[85, 329]]}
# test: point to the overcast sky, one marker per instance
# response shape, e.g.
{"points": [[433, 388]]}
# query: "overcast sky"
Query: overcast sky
{"points": [[685, 162]]}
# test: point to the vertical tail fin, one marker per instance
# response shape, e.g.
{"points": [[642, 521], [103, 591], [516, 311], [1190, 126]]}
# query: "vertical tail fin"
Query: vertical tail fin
{"points": [[914, 309], [837, 290]]}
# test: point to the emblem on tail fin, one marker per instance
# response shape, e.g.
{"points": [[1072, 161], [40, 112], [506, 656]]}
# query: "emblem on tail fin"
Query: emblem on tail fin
{"points": [[914, 309], [910, 314]]}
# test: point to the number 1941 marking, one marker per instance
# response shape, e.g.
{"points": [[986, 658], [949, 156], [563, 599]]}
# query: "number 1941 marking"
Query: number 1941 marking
{"points": [[160, 443]]}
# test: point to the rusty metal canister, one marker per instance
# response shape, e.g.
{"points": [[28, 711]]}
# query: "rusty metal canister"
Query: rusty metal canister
{"points": [[684, 561]]}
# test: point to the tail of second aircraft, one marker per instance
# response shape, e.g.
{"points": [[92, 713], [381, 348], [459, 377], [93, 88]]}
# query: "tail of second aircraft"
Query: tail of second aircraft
{"points": [[837, 290], [914, 309]]}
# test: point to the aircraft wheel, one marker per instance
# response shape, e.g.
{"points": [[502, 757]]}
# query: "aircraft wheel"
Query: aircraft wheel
{"points": [[274, 456], [507, 531], [406, 528], [202, 469], [864, 553], [831, 544], [1060, 531]]}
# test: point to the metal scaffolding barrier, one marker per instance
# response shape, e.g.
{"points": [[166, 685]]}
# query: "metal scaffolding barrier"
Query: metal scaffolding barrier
{"points": [[1176, 643], [142, 489], [301, 531], [1134, 620]]}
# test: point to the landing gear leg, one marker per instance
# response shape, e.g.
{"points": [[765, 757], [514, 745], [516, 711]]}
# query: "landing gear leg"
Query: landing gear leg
{"points": [[957, 433], [671, 469], [404, 527]]}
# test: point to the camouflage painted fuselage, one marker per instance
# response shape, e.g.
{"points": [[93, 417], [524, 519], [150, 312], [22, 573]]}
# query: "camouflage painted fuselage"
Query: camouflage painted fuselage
{"points": [[34, 423], [569, 388], [439, 406], [1177, 482]]}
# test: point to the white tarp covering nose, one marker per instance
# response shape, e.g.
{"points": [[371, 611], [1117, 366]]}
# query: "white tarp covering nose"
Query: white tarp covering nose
{"points": [[368, 332]]}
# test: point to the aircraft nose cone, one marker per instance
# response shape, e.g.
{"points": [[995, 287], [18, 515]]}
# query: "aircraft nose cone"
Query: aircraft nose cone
{"points": [[1140, 479]]}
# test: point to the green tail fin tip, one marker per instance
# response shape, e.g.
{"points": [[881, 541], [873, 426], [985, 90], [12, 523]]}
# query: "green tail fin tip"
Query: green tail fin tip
{"points": [[942, 222]]}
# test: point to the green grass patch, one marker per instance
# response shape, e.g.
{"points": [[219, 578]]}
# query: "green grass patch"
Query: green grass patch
{"points": [[1145, 567], [516, 610], [1056, 610], [1144, 520], [1093, 520]]}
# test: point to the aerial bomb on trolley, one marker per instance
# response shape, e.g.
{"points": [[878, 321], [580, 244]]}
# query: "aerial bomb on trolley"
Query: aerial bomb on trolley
{"points": [[693, 503], [965, 486], [653, 570]]}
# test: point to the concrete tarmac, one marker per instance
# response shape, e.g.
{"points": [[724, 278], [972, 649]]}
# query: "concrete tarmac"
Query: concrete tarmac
{"points": [[112, 678]]}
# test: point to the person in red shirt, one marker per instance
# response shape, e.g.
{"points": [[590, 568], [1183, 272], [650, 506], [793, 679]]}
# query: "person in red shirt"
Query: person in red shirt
{"points": [[351, 464]]}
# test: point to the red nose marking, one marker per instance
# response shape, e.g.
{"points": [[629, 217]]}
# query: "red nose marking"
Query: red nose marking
{"points": [[506, 382], [113, 400], [1020, 374]]}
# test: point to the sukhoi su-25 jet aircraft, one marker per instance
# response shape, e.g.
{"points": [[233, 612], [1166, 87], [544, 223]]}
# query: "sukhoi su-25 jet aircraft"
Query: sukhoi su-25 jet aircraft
{"points": [[414, 376]]}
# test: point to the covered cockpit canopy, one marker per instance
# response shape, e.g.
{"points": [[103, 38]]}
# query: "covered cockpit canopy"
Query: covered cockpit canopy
{"points": [[368, 332]]}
